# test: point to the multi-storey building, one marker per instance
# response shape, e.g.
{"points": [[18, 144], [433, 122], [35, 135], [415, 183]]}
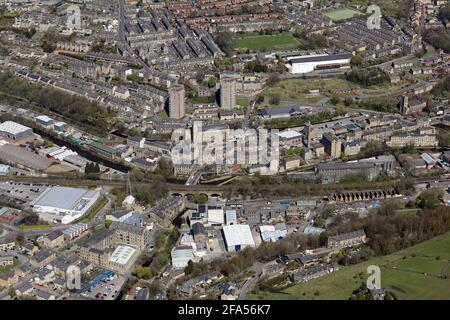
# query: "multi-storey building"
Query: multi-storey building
{"points": [[176, 102], [332, 144], [227, 93]]}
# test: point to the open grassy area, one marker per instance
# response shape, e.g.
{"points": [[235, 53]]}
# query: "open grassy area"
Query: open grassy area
{"points": [[297, 90], [342, 14], [243, 102], [279, 41], [35, 227], [419, 272], [163, 115]]}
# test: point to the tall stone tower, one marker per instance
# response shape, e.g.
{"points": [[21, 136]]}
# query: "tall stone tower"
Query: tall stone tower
{"points": [[176, 101], [227, 93], [404, 105]]}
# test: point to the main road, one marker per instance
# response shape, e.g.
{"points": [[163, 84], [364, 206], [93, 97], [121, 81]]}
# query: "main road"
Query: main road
{"points": [[122, 38]]}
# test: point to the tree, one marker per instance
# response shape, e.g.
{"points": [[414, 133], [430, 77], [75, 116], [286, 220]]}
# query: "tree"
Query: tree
{"points": [[317, 41], [136, 174], [368, 77], [429, 199], [335, 100], [92, 170], [142, 272], [20, 238], [371, 149], [30, 218], [155, 288], [49, 40], [165, 167], [357, 61], [212, 81], [200, 198], [273, 79], [274, 99], [348, 101], [225, 41], [410, 149], [189, 268], [438, 38]]}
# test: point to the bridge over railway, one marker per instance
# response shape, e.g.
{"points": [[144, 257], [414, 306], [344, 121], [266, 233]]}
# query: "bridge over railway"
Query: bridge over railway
{"points": [[362, 195]]}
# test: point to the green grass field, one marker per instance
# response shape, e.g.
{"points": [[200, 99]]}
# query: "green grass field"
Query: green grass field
{"points": [[280, 41], [416, 273], [342, 14], [297, 90], [35, 227]]}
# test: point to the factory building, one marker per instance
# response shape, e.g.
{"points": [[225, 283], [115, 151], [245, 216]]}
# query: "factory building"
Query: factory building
{"points": [[332, 145], [64, 204], [181, 255], [310, 63], [238, 237], [334, 172], [14, 131], [45, 121]]}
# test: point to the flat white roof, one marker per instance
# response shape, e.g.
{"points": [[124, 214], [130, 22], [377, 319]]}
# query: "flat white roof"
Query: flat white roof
{"points": [[289, 134], [13, 127], [44, 118], [238, 234], [122, 254], [65, 198]]}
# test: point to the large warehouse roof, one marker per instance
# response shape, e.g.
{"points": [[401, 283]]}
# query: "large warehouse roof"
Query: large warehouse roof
{"points": [[13, 127], [122, 254], [322, 58], [64, 198], [238, 234]]}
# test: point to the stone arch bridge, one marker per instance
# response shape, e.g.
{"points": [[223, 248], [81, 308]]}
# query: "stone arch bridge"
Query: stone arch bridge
{"points": [[362, 195]]}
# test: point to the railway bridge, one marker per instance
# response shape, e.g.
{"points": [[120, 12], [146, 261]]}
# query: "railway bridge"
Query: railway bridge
{"points": [[362, 195]]}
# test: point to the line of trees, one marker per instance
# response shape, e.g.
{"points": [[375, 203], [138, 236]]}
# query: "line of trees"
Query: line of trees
{"points": [[71, 106], [368, 77]]}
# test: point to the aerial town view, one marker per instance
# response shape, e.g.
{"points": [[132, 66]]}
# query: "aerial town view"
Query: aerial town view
{"points": [[253, 150]]}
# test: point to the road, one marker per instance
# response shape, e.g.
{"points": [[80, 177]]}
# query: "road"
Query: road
{"points": [[258, 269], [248, 114], [195, 177], [122, 38]]}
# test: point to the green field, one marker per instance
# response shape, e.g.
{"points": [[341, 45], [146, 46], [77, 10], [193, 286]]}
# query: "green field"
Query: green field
{"points": [[297, 90], [416, 273], [35, 227], [342, 14], [280, 41]]}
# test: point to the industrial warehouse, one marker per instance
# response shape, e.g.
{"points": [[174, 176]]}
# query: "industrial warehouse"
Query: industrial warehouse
{"points": [[14, 131], [310, 63], [238, 237], [64, 204]]}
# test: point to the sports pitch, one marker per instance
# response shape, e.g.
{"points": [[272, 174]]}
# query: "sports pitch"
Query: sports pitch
{"points": [[280, 41], [342, 14]]}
